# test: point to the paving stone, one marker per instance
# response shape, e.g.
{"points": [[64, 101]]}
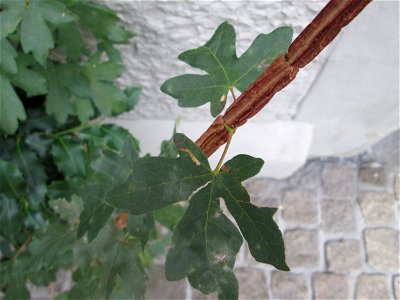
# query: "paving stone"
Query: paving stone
{"points": [[302, 249], [331, 286], [382, 249], [378, 208], [266, 188], [338, 216], [396, 286], [289, 286], [307, 176], [62, 283], [252, 285], [269, 202], [159, 288], [339, 180], [372, 287], [38, 293], [197, 295], [300, 207], [387, 151], [343, 256], [373, 173]]}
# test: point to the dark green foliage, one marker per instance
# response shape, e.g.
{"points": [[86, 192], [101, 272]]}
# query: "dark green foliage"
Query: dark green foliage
{"points": [[55, 164], [75, 193]]}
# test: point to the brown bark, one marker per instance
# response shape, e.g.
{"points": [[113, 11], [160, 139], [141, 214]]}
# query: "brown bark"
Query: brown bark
{"points": [[313, 39]]}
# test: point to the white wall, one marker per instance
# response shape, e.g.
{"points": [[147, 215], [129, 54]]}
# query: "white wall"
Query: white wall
{"points": [[345, 99]]}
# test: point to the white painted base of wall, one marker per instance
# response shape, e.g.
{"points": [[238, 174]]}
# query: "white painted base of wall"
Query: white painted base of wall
{"points": [[283, 145]]}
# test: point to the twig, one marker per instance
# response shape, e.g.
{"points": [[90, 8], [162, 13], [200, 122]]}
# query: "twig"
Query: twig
{"points": [[52, 291], [22, 248], [88, 124], [314, 38]]}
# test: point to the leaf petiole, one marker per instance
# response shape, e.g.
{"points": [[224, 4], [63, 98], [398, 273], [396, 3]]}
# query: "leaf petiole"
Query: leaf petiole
{"points": [[94, 122], [231, 131], [233, 93]]}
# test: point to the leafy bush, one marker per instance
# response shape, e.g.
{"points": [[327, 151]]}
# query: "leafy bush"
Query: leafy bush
{"points": [[75, 193]]}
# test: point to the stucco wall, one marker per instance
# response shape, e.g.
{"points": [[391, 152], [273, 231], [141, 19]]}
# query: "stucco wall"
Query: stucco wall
{"points": [[340, 103]]}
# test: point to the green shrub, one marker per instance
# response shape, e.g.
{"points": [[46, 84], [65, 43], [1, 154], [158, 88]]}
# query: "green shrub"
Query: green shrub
{"points": [[75, 193]]}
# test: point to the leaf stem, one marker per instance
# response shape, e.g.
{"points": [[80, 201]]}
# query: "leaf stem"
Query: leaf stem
{"points": [[80, 127], [22, 248], [231, 131], [233, 94]]}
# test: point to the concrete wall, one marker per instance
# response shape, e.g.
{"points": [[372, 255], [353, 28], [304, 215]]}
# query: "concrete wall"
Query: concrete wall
{"points": [[340, 103]]}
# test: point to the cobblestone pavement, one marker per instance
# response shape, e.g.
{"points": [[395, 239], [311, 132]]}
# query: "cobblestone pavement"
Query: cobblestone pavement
{"points": [[340, 219]]}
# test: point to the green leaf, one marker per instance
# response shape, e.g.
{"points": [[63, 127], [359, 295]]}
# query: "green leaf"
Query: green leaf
{"points": [[105, 95], [156, 182], [168, 147], [68, 210], [170, 215], [38, 120], [30, 81], [70, 74], [225, 70], [112, 52], [204, 243], [33, 172], [70, 41], [141, 226], [115, 137], [256, 223], [7, 55], [96, 211], [54, 11], [36, 36], [190, 150], [107, 98], [10, 16], [118, 258], [262, 52], [195, 90], [52, 245], [204, 247], [13, 279], [69, 156], [10, 216], [133, 96], [12, 184], [11, 108], [58, 101], [39, 143], [117, 166], [83, 108], [101, 21], [95, 69], [243, 167]]}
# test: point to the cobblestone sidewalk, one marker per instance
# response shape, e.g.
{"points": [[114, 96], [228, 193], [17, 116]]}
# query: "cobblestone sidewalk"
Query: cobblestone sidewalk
{"points": [[341, 229]]}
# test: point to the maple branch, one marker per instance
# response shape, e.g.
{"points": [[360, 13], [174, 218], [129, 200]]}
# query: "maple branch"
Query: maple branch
{"points": [[311, 41]]}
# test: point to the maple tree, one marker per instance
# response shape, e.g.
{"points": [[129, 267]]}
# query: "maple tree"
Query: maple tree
{"points": [[76, 194]]}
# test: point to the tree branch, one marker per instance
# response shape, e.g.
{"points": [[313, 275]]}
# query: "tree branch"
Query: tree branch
{"points": [[314, 38]]}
